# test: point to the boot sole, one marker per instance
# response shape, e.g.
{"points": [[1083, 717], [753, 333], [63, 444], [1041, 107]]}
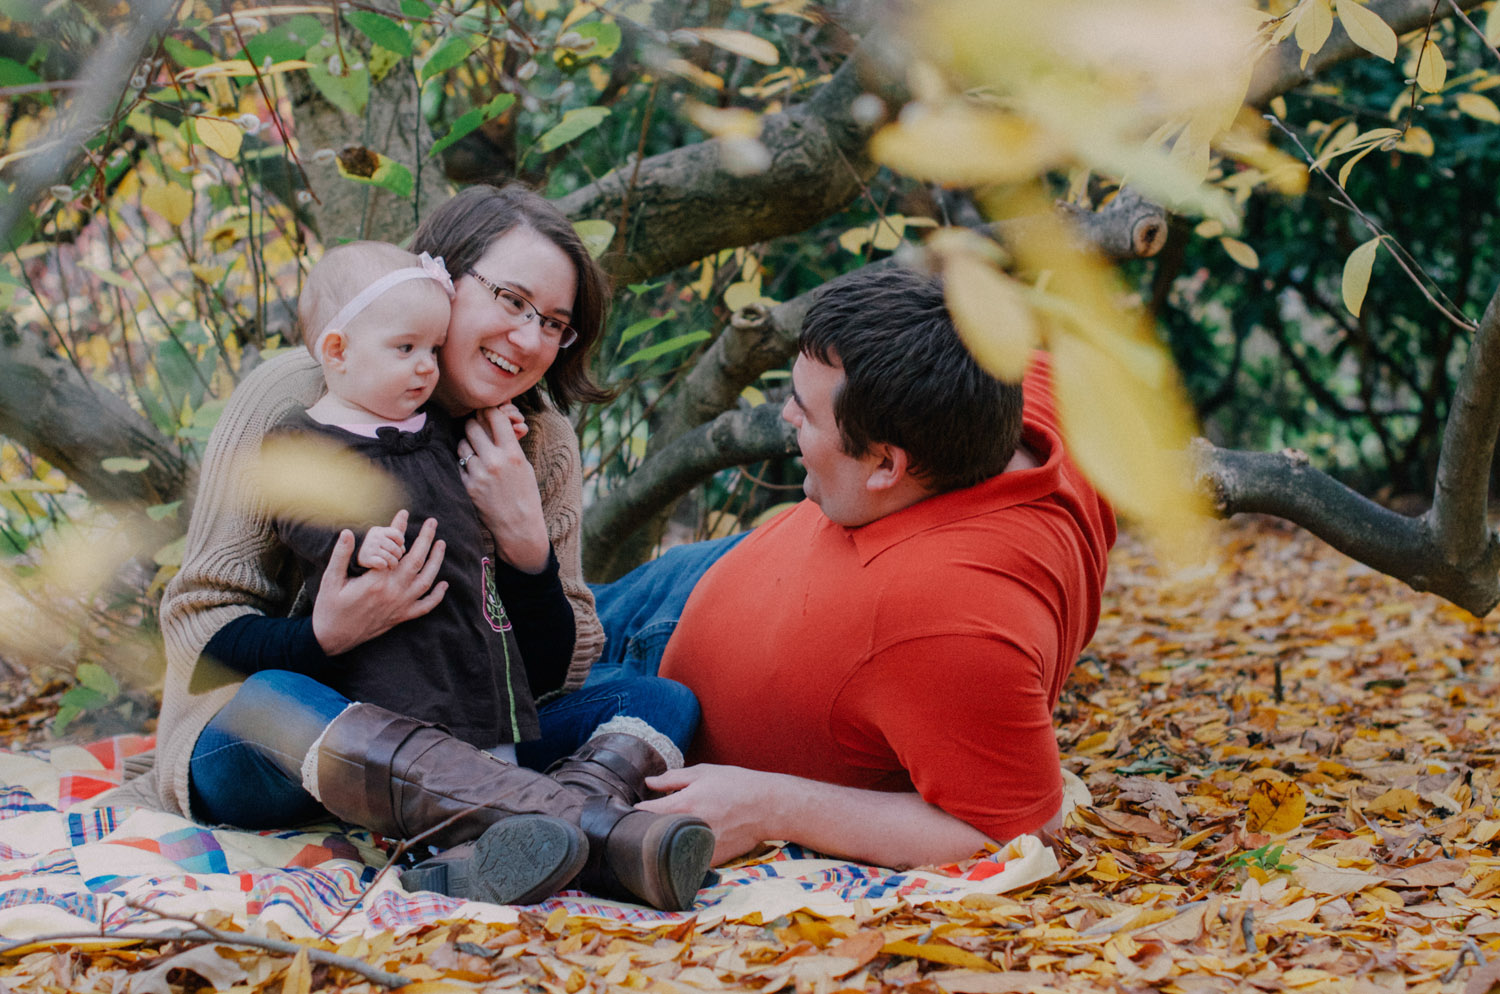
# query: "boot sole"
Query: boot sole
{"points": [[683, 858], [522, 859]]}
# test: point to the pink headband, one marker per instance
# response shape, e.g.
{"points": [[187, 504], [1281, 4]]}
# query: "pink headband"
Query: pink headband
{"points": [[427, 268]]}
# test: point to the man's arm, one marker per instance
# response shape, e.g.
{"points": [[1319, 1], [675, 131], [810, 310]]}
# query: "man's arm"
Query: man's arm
{"points": [[745, 807]]}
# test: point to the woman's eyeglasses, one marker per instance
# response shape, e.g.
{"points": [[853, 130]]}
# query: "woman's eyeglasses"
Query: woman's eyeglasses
{"points": [[560, 333]]}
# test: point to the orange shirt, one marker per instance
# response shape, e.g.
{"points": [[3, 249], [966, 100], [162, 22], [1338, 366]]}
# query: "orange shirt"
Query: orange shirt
{"points": [[925, 650]]}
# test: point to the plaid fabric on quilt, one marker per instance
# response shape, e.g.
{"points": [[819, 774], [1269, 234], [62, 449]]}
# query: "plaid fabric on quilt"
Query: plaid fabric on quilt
{"points": [[68, 867]]}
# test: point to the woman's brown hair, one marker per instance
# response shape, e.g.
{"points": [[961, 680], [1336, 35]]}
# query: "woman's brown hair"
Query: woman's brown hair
{"points": [[460, 231]]}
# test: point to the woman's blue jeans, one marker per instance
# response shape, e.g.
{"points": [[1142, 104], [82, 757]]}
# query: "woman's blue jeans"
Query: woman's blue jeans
{"points": [[246, 765]]}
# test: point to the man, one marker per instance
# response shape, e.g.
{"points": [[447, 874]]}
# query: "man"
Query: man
{"points": [[878, 666]]}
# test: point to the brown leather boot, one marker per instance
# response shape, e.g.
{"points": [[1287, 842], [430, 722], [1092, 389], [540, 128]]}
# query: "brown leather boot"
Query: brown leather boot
{"points": [[614, 765], [401, 777]]}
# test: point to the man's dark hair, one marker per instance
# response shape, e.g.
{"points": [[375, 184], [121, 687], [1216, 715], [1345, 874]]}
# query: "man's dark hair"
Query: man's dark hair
{"points": [[908, 379]]}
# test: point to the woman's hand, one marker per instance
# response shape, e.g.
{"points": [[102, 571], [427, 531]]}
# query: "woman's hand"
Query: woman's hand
{"points": [[502, 484], [351, 611]]}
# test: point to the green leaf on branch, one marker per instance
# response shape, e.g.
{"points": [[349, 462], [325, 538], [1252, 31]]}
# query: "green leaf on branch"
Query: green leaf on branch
{"points": [[12, 73], [472, 119], [574, 123], [1357, 274], [350, 92], [601, 39], [160, 512], [664, 348], [186, 55], [382, 31], [285, 41], [124, 464], [447, 55], [367, 166], [644, 325], [596, 234], [97, 678]]}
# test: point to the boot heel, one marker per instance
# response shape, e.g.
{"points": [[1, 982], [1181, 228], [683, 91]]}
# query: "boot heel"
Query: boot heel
{"points": [[685, 864], [518, 860]]}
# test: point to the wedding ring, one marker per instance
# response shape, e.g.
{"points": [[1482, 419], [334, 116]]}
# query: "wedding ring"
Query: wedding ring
{"points": [[463, 461]]}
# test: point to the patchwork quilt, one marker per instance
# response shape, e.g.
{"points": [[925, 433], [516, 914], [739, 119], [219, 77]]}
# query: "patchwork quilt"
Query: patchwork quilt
{"points": [[68, 865]]}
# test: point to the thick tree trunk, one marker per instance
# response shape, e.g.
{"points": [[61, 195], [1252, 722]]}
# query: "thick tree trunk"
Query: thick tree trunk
{"points": [[1451, 550], [393, 126], [75, 424]]}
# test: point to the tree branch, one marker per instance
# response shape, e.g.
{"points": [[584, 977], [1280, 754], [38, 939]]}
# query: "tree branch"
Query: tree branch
{"points": [[1460, 498], [105, 75], [1286, 485], [1281, 69], [734, 438], [686, 204], [74, 423]]}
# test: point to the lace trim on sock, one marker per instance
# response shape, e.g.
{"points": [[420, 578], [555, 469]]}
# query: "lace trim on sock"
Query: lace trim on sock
{"points": [[310, 762], [628, 725]]}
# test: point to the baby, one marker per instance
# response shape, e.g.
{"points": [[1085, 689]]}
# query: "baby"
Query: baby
{"points": [[374, 316]]}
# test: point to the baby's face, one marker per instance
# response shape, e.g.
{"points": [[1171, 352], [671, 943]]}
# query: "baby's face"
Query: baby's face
{"points": [[391, 353]]}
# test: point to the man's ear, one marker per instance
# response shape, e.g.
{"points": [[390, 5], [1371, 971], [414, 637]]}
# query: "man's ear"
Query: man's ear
{"points": [[889, 466]]}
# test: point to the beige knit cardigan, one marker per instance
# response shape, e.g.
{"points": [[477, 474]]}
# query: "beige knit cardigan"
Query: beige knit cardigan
{"points": [[232, 564]]}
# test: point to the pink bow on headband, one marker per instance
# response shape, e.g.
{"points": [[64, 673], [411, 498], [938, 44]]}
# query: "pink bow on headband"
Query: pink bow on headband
{"points": [[435, 268]]}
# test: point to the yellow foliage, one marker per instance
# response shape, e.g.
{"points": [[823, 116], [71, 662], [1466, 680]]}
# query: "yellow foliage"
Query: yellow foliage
{"points": [[1276, 807]]}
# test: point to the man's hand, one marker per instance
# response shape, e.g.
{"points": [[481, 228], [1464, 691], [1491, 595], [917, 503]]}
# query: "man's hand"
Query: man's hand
{"points": [[384, 544], [350, 612], [735, 802]]}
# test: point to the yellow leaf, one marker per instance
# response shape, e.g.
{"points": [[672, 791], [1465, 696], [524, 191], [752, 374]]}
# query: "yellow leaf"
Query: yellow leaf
{"points": [[1478, 107], [440, 987], [855, 239], [1357, 274], [298, 975], [320, 482], [739, 43], [1394, 803], [1492, 25], [597, 234], [1314, 26], [1241, 253], [1348, 166], [1417, 140], [991, 313], [172, 202], [939, 953], [1432, 71], [1276, 807], [754, 396], [1128, 432], [222, 136], [1368, 30], [1209, 229], [737, 295], [963, 145]]}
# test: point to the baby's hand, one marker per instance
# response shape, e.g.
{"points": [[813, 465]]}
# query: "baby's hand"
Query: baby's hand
{"points": [[517, 420], [382, 548]]}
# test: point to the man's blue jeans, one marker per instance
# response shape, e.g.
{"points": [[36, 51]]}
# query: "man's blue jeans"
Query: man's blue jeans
{"points": [[640, 610], [246, 765]]}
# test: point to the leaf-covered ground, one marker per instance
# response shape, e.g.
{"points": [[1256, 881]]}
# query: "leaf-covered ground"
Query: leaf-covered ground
{"points": [[1294, 785]]}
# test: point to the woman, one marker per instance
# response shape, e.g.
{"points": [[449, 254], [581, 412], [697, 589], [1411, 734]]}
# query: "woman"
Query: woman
{"points": [[248, 736]]}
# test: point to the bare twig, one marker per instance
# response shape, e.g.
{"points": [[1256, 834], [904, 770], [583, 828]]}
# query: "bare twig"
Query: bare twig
{"points": [[106, 72], [204, 934]]}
